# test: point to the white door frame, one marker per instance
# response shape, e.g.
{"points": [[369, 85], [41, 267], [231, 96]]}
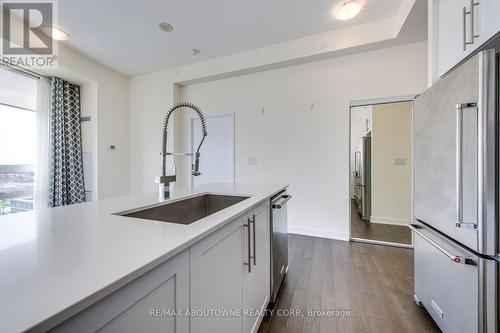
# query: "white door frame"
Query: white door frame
{"points": [[371, 102], [233, 125]]}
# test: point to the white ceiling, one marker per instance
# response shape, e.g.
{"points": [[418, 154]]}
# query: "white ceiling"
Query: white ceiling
{"points": [[124, 34]]}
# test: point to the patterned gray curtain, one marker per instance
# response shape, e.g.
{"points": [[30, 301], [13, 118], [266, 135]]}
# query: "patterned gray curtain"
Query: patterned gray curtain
{"points": [[65, 148]]}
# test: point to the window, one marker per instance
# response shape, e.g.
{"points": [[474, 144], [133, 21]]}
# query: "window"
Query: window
{"points": [[17, 141]]}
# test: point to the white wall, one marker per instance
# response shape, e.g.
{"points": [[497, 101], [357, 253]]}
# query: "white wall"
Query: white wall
{"points": [[150, 98], [88, 100], [391, 183], [302, 136], [105, 97]]}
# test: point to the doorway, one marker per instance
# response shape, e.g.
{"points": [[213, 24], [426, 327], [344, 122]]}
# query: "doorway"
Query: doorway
{"points": [[217, 162], [381, 172]]}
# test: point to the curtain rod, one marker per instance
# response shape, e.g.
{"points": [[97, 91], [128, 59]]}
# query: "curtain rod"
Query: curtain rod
{"points": [[37, 75]]}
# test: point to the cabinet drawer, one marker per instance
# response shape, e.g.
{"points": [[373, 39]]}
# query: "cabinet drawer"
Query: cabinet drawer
{"points": [[166, 287]]}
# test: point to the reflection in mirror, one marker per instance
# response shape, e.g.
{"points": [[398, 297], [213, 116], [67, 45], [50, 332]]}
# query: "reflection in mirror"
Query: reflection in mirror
{"points": [[381, 172]]}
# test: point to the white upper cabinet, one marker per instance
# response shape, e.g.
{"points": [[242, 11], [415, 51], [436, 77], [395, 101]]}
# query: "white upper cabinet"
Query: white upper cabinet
{"points": [[488, 19], [454, 29], [463, 26]]}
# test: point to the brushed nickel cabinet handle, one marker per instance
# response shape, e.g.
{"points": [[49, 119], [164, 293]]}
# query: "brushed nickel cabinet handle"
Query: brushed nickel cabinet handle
{"points": [[472, 9], [254, 241], [248, 247], [466, 42], [464, 19]]}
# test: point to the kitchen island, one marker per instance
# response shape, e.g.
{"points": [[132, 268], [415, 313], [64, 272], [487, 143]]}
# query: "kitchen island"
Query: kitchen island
{"points": [[69, 267]]}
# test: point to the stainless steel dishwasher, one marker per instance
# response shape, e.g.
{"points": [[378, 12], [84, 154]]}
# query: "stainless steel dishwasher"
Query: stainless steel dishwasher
{"points": [[279, 242]]}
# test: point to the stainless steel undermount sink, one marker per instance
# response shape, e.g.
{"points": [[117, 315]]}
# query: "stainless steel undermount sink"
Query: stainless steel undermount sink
{"points": [[188, 210]]}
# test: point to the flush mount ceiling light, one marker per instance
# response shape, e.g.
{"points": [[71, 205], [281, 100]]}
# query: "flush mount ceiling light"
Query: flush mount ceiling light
{"points": [[165, 26], [55, 32], [348, 10]]}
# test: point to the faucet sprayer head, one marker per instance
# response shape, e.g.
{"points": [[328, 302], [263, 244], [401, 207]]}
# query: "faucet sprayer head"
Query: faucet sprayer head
{"points": [[196, 165]]}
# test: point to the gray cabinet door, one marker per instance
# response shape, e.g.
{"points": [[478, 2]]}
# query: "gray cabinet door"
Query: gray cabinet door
{"points": [[217, 264], [257, 283], [148, 304]]}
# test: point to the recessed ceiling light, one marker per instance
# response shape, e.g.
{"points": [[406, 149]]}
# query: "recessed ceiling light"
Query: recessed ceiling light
{"points": [[167, 27], [194, 51], [348, 10], [55, 32]]}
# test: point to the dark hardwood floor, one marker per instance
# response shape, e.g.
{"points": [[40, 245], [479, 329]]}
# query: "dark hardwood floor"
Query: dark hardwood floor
{"points": [[373, 282], [375, 231]]}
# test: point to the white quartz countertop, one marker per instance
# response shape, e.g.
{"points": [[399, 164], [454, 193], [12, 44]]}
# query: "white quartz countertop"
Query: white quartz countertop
{"points": [[56, 262]]}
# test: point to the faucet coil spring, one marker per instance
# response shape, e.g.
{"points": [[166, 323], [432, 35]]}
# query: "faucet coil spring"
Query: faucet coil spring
{"points": [[165, 132]]}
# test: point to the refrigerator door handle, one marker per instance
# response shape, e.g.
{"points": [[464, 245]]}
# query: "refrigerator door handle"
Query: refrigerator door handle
{"points": [[459, 163], [456, 259], [355, 172]]}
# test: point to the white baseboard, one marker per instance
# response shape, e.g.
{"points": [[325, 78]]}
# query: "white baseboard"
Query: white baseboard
{"points": [[388, 220], [319, 233]]}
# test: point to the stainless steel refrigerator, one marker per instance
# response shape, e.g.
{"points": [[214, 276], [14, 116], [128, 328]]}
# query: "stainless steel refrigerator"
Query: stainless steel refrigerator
{"points": [[362, 177], [455, 138]]}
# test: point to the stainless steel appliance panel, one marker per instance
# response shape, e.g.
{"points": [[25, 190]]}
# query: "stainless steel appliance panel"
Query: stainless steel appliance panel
{"points": [[279, 242], [455, 155], [457, 287], [488, 153]]}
